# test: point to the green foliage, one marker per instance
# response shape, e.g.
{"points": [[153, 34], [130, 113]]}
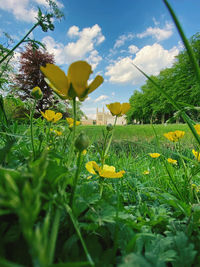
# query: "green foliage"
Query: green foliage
{"points": [[179, 81]]}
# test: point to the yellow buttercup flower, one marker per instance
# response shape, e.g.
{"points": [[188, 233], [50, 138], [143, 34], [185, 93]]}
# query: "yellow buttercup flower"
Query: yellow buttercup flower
{"points": [[75, 84], [196, 154], [172, 161], [50, 115], [118, 109], [174, 136], [105, 172], [146, 172], [154, 155], [56, 132], [70, 121], [197, 128]]}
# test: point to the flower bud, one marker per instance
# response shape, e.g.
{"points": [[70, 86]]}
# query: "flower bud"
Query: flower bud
{"points": [[82, 142], [109, 127], [37, 93]]}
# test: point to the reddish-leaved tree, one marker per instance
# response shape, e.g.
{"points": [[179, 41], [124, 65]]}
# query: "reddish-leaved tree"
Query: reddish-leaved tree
{"points": [[30, 75]]}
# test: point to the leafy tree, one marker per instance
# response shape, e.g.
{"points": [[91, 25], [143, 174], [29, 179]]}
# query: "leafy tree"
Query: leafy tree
{"points": [[179, 82], [30, 75]]}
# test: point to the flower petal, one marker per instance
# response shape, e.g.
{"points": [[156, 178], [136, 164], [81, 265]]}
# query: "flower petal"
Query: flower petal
{"points": [[57, 117], [57, 78], [125, 107], [115, 108], [92, 167], [96, 83], [78, 74]]}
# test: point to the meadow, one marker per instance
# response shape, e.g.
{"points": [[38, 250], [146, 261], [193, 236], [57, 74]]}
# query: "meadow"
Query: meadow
{"points": [[73, 195]]}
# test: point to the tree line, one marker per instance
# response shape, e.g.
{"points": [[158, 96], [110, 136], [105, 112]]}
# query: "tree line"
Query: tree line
{"points": [[148, 105]]}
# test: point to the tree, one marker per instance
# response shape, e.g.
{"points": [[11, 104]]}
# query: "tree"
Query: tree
{"points": [[179, 82], [30, 75]]}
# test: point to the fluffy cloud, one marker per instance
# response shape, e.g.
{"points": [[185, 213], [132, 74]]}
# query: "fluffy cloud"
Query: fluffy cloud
{"points": [[82, 48], [133, 49], [100, 98], [158, 33], [151, 59], [122, 39], [22, 9]]}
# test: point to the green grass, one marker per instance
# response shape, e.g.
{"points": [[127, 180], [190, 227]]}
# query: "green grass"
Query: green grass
{"points": [[139, 133]]}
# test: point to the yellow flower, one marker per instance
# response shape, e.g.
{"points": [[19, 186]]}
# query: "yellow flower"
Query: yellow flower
{"points": [[197, 128], [70, 121], [196, 154], [75, 84], [50, 115], [146, 172], [154, 155], [84, 152], [105, 172], [118, 109], [172, 161], [174, 136], [56, 132]]}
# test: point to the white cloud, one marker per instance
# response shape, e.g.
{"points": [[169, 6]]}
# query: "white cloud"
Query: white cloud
{"points": [[133, 49], [73, 31], [113, 93], [122, 39], [45, 3], [82, 48], [100, 98], [20, 9], [158, 33], [151, 59]]}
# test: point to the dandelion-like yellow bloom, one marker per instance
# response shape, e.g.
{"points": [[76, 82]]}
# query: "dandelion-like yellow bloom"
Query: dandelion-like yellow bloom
{"points": [[75, 84], [118, 109], [50, 115], [154, 155], [146, 172], [70, 121], [105, 172], [197, 128], [174, 136], [172, 161], [56, 132], [196, 154]]}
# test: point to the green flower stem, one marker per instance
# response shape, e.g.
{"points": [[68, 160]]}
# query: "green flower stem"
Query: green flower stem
{"points": [[171, 178], [32, 135], [65, 141], [75, 223], [78, 165], [116, 234], [74, 114], [18, 44], [111, 137], [104, 147], [53, 237]]}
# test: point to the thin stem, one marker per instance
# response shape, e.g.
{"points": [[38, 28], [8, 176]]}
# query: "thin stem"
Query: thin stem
{"points": [[104, 147], [53, 237], [74, 114], [116, 235], [110, 140], [32, 135], [75, 180], [75, 223], [21, 41]]}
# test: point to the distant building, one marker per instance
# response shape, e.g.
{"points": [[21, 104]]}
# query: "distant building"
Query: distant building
{"points": [[88, 122], [104, 118]]}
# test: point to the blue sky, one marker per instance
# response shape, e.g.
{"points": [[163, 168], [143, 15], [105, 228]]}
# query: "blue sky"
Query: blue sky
{"points": [[110, 35]]}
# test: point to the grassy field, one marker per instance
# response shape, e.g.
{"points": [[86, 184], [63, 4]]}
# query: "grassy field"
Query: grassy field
{"points": [[139, 132]]}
